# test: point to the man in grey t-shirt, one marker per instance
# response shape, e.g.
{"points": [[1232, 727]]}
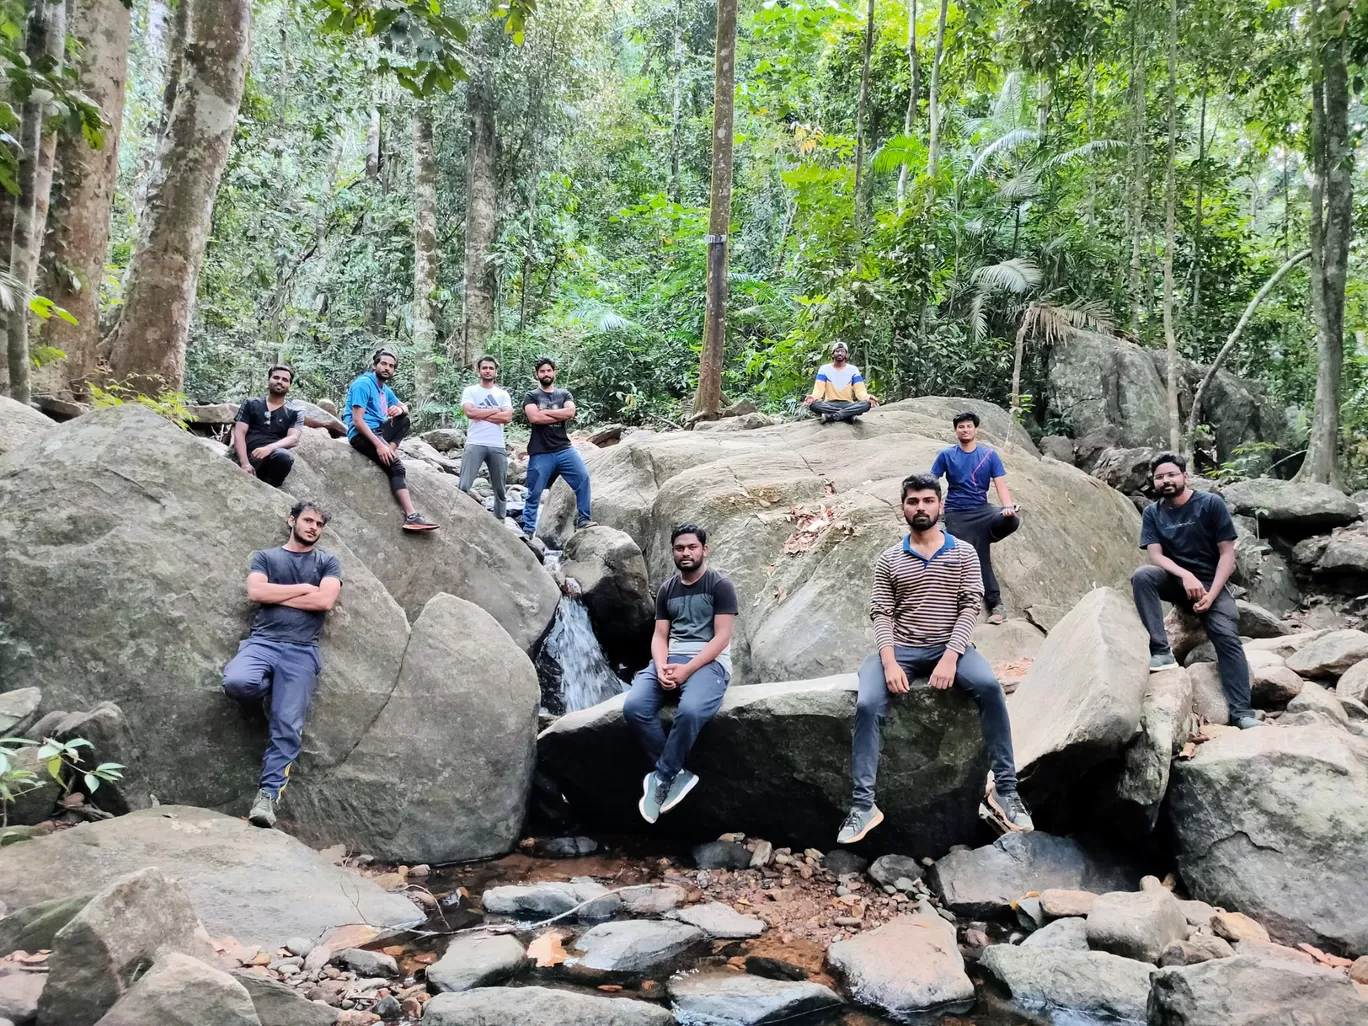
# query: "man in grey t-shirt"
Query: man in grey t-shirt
{"points": [[690, 659], [295, 584]]}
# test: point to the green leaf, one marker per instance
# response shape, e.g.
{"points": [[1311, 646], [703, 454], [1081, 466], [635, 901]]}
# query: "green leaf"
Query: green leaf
{"points": [[92, 783], [54, 768]]}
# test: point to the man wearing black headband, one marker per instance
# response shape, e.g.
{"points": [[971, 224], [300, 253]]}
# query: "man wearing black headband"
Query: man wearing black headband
{"points": [[376, 423]]}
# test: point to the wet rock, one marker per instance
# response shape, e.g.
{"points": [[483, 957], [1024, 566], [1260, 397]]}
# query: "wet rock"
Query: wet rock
{"points": [[910, 964], [1246, 991], [1070, 933], [1200, 948], [636, 945], [1303, 505], [540, 1006], [1136, 924], [476, 961], [366, 963], [18, 709], [615, 590], [773, 968], [279, 1005], [1057, 902], [887, 870], [565, 847], [1330, 655], [651, 899], [543, 900], [33, 927], [1272, 687], [19, 994], [1092, 983], [181, 989], [719, 921], [1236, 926], [734, 999], [841, 862], [721, 855]]}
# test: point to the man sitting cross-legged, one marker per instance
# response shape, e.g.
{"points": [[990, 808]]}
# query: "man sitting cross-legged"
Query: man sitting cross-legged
{"points": [[691, 660], [1190, 539], [839, 393], [295, 585], [265, 430], [926, 598]]}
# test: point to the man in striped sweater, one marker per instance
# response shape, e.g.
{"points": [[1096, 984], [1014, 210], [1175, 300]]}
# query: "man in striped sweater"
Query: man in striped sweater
{"points": [[926, 599], [839, 393]]}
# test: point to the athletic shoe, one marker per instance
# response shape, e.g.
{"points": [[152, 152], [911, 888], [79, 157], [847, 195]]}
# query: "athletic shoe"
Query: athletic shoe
{"points": [[418, 522], [998, 615], [263, 812], [653, 794], [682, 784], [1162, 661], [1011, 809], [586, 523], [858, 823], [1248, 722]]}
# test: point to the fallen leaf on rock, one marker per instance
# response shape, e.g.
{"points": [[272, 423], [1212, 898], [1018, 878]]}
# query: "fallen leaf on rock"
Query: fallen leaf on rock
{"points": [[1324, 958], [547, 949], [611, 988], [394, 950], [354, 936], [262, 958], [1188, 751], [649, 985], [37, 958]]}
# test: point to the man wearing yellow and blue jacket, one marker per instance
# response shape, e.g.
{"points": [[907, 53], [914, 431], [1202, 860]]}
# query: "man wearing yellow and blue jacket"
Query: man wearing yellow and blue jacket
{"points": [[839, 392]]}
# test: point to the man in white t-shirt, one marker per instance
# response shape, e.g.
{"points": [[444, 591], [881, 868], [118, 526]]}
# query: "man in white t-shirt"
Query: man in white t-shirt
{"points": [[839, 392], [489, 408]]}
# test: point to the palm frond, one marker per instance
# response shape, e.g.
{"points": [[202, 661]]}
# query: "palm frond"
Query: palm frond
{"points": [[1021, 187], [1086, 150], [1016, 276], [900, 150], [978, 321], [1007, 142], [1009, 99]]}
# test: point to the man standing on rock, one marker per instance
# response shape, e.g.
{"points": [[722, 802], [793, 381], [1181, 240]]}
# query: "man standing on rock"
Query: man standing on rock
{"points": [[967, 468], [690, 659], [376, 423], [839, 392], [265, 430], [549, 452], [295, 585], [925, 602], [1190, 539], [489, 408]]}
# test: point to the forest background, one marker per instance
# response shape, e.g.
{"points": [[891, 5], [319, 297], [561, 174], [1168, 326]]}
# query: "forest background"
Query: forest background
{"points": [[196, 189]]}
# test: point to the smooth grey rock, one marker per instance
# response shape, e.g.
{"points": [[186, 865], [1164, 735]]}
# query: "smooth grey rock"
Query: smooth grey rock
{"points": [[1258, 622], [476, 961], [1201, 947], [886, 870], [540, 1006], [652, 899], [740, 999], [299, 946], [1070, 932], [1197, 913], [279, 1005], [565, 847], [1330, 655], [1354, 682], [1136, 924], [721, 855], [843, 862], [616, 591], [1304, 504], [183, 991], [106, 728], [543, 900], [366, 963], [1272, 687], [445, 439], [17, 711], [1313, 705], [908, 965], [719, 921], [636, 944], [1208, 699], [32, 927], [1057, 979], [1247, 991]]}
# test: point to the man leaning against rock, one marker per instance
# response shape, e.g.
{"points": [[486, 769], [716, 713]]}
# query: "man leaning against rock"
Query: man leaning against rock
{"points": [[294, 585], [926, 598], [265, 430], [1190, 539]]}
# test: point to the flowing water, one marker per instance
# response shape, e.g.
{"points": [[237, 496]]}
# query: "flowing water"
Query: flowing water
{"points": [[585, 676]]}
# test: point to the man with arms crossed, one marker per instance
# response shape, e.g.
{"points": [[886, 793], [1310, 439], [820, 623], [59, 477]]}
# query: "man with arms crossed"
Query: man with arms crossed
{"points": [[690, 659], [265, 430], [488, 408], [1190, 539], [549, 452], [926, 597], [967, 468], [295, 585], [376, 423], [839, 392]]}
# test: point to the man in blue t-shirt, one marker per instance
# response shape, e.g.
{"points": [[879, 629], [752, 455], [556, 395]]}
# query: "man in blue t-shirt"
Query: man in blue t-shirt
{"points": [[1190, 539], [376, 423], [295, 585], [969, 468]]}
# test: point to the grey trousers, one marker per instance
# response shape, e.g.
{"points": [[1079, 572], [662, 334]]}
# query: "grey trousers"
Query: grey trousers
{"points": [[496, 458], [699, 699], [837, 409]]}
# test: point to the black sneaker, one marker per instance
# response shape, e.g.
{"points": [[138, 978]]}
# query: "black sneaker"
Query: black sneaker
{"points": [[418, 522], [1011, 809]]}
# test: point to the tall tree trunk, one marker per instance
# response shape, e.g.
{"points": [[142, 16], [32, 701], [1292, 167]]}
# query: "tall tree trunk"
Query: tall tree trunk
{"points": [[708, 399], [933, 100], [677, 100], [424, 253], [482, 207], [45, 41], [1197, 206], [860, 115], [1332, 215], [147, 346], [913, 83], [85, 199], [1170, 231], [1138, 188]]}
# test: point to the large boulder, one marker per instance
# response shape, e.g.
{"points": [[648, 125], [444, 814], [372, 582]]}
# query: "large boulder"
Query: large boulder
{"points": [[20, 424], [1274, 822], [611, 573], [182, 991], [1249, 991], [1136, 924], [906, 966], [797, 514], [1330, 655], [1301, 506], [775, 762], [260, 886], [1059, 979]]}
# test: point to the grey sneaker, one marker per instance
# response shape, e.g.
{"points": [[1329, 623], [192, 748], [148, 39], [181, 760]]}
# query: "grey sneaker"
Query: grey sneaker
{"points": [[998, 615], [1009, 806], [682, 784], [653, 794], [858, 823], [1162, 661], [263, 812], [418, 522], [1248, 722]]}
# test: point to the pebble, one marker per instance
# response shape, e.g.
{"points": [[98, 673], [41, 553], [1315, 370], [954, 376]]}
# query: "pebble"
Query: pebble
{"points": [[422, 869], [847, 921], [890, 889], [904, 884], [388, 1008], [704, 879], [299, 946]]}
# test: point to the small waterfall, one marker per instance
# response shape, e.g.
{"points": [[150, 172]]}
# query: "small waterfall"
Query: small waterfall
{"points": [[585, 677]]}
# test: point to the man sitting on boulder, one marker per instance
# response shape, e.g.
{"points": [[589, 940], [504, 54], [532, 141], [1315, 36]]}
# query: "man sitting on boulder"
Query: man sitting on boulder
{"points": [[926, 598], [839, 392], [295, 585], [376, 423], [690, 659], [265, 430], [1190, 539], [549, 452], [967, 468], [489, 408]]}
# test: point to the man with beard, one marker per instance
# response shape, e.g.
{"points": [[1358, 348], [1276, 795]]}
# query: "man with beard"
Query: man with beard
{"points": [[1190, 539], [549, 452], [690, 661], [376, 423], [489, 408], [265, 430], [295, 585], [839, 392], [967, 468], [926, 597]]}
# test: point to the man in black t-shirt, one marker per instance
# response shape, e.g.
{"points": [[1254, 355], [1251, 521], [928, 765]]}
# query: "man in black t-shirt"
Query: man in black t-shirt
{"points": [[265, 430], [549, 452], [690, 659], [295, 584], [1190, 539]]}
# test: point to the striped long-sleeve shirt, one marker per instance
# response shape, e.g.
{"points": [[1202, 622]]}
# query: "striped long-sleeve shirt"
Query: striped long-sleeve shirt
{"points": [[923, 602], [844, 385]]}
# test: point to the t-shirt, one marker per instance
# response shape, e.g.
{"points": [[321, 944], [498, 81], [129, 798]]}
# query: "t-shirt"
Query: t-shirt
{"points": [[969, 474], [1189, 533], [690, 608], [281, 566], [265, 425], [482, 432], [548, 437], [373, 398]]}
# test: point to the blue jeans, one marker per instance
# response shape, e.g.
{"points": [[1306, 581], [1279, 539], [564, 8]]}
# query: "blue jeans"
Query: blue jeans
{"points": [[699, 699], [972, 674], [542, 471], [285, 676]]}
